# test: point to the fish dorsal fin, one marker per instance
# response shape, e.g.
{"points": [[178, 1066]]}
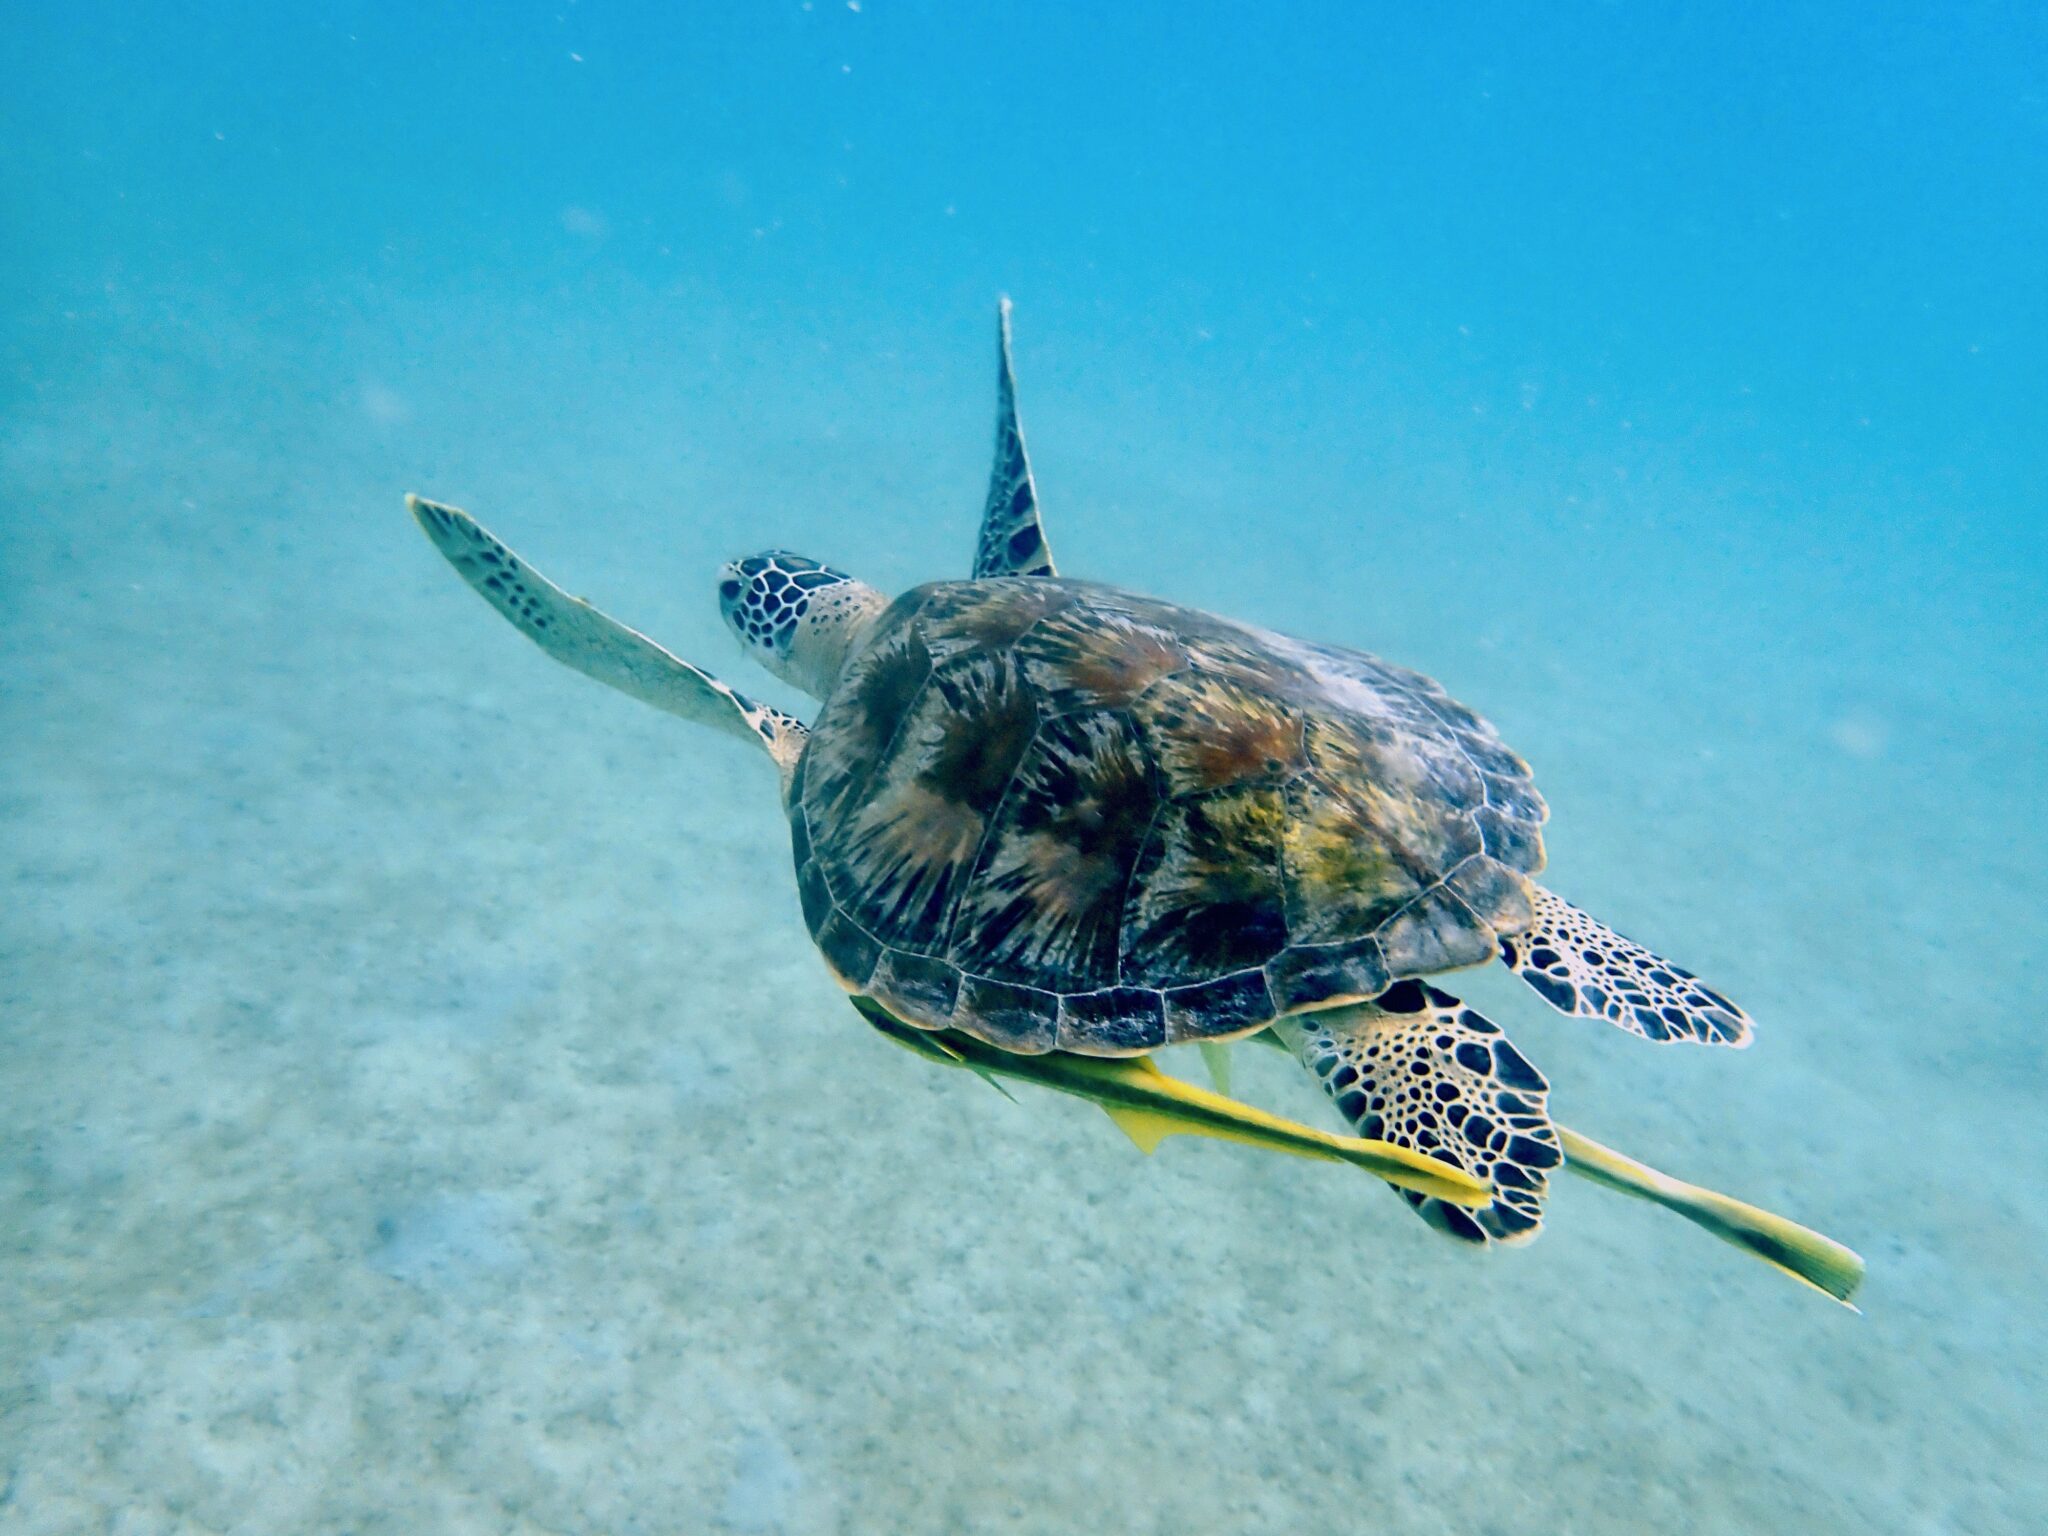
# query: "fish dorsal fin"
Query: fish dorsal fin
{"points": [[1145, 1128], [1216, 1057]]}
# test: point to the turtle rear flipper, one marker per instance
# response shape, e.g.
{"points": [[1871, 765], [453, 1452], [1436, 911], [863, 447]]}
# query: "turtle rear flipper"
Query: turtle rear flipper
{"points": [[1416, 1067], [1585, 969], [597, 645]]}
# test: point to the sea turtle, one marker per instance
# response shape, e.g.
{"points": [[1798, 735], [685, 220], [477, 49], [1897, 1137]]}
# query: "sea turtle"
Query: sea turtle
{"points": [[1056, 815]]}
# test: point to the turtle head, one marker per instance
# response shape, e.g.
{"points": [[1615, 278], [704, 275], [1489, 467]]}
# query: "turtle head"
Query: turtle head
{"points": [[799, 619]]}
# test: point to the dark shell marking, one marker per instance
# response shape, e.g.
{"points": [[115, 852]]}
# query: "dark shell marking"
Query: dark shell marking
{"points": [[1058, 815]]}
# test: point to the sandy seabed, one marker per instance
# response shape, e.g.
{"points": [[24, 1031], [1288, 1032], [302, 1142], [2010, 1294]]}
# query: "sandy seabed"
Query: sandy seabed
{"points": [[421, 1109]]}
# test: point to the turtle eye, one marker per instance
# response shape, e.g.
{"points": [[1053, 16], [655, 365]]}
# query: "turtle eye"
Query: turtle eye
{"points": [[729, 590]]}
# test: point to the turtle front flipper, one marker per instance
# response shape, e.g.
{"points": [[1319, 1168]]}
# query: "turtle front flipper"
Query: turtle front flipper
{"points": [[1417, 1068], [1011, 542], [1585, 969], [597, 645]]}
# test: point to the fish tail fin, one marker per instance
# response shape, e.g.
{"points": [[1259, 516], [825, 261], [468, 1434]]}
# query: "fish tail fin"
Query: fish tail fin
{"points": [[1806, 1255]]}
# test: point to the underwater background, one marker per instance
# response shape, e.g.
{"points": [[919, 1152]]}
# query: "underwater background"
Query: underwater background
{"points": [[421, 1107]]}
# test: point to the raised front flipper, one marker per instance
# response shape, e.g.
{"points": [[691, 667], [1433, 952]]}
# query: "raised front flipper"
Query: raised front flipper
{"points": [[1417, 1068], [1586, 969], [1011, 542], [597, 645]]}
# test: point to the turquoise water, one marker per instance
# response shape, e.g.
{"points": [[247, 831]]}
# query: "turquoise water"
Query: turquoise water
{"points": [[423, 1109]]}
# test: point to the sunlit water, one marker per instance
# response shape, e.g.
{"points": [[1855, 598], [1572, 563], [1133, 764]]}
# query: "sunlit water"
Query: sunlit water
{"points": [[420, 1105]]}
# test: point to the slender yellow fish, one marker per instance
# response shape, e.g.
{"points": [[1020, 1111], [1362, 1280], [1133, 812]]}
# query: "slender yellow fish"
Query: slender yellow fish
{"points": [[1149, 1105]]}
